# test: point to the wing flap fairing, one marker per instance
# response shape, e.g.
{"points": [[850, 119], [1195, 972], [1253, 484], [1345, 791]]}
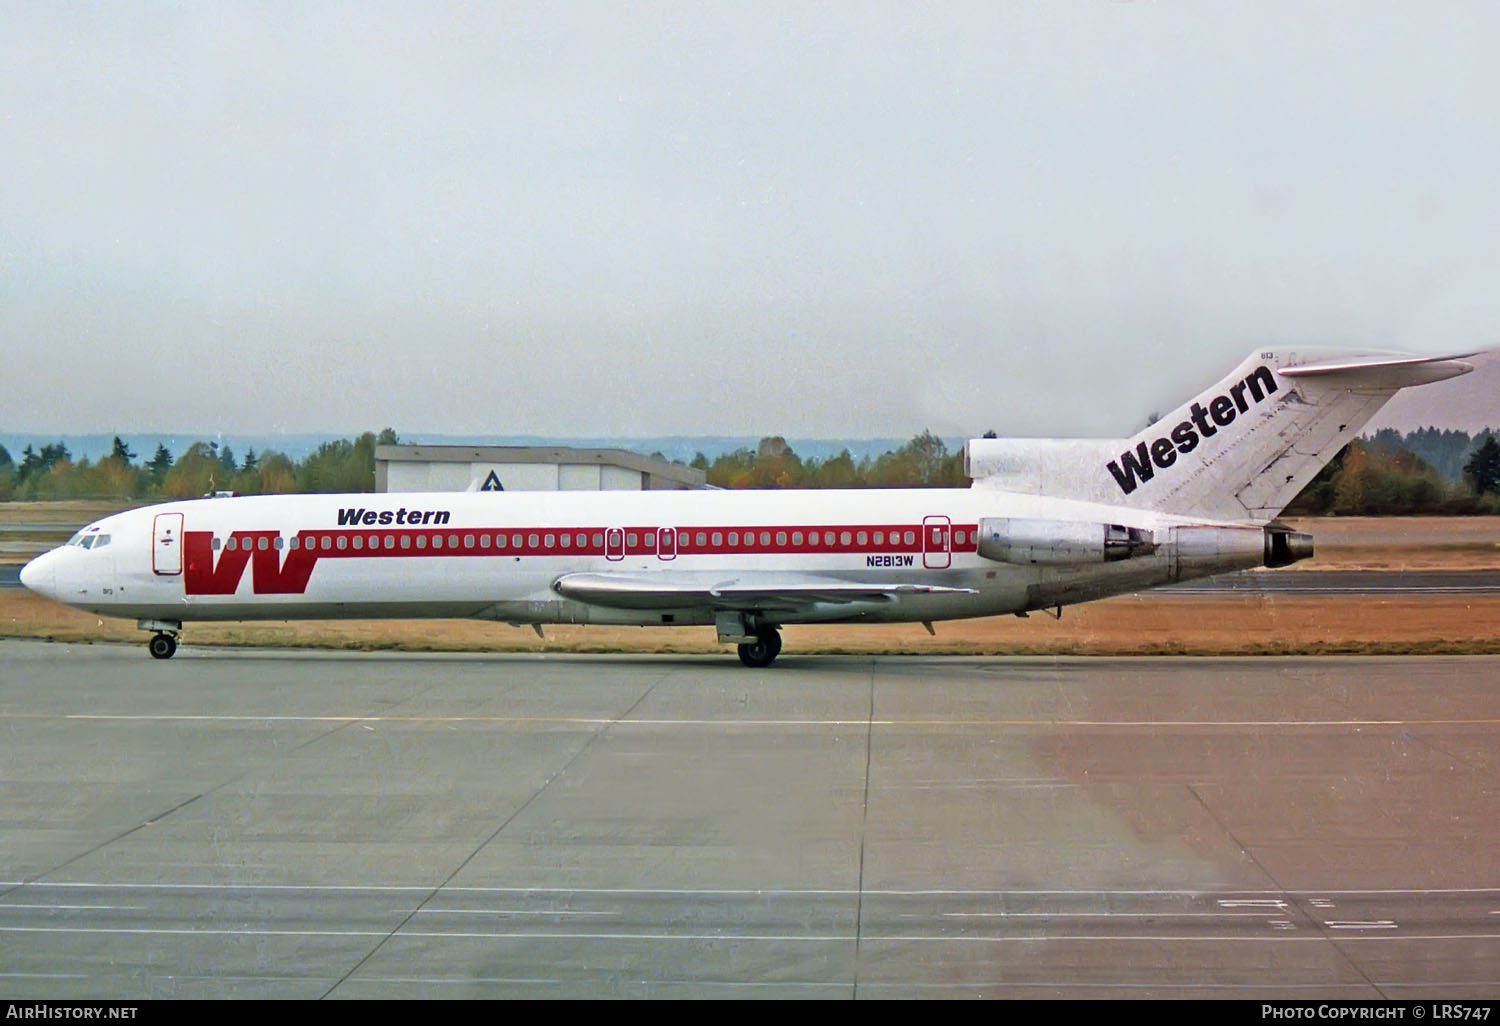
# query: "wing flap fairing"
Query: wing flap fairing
{"points": [[684, 591]]}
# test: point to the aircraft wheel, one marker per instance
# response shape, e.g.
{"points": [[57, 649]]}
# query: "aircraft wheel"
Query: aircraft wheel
{"points": [[765, 648], [162, 646]]}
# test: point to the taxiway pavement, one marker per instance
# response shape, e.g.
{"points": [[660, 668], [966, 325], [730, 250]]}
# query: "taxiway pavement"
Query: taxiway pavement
{"points": [[303, 824]]}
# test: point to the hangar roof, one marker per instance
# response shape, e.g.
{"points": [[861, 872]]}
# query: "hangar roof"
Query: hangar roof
{"points": [[689, 477]]}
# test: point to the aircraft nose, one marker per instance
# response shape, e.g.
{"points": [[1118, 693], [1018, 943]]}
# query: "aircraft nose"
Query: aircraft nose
{"points": [[40, 575]]}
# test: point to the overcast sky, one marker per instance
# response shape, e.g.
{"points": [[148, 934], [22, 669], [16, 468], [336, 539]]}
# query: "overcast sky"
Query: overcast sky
{"points": [[814, 219]]}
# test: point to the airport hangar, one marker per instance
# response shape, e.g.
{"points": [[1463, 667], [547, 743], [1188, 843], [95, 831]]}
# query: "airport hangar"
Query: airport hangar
{"points": [[530, 468]]}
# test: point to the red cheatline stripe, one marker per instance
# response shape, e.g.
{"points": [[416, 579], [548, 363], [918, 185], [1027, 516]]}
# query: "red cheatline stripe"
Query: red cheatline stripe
{"points": [[637, 541]]}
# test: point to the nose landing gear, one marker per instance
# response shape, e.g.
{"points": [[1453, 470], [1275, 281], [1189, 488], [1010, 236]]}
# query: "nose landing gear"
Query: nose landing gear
{"points": [[163, 644]]}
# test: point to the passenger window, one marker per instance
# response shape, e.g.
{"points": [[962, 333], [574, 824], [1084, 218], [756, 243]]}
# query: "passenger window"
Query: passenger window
{"points": [[390, 541], [911, 537], [406, 541], [515, 541], [280, 543], [484, 541], [765, 537], [421, 541], [531, 541], [598, 540], [216, 545], [734, 537], [879, 537], [548, 540], [718, 539], [437, 541], [453, 541], [468, 541], [862, 538], [359, 541], [342, 541], [780, 537], [827, 537], [845, 538], [291, 543], [630, 540]]}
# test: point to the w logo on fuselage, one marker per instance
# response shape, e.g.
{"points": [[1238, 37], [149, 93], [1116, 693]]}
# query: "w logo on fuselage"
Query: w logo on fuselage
{"points": [[270, 574]]}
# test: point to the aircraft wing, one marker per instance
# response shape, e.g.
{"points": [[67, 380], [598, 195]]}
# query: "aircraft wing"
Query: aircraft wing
{"points": [[667, 590]]}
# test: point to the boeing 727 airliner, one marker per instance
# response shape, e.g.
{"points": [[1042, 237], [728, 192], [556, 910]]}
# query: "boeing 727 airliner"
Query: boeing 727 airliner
{"points": [[1046, 523]]}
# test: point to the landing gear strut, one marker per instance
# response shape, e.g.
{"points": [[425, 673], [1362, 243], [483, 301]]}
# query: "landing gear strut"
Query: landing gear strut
{"points": [[162, 645], [761, 651]]}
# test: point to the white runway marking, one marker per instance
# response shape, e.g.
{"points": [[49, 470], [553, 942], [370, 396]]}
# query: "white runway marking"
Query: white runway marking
{"points": [[1104, 915], [698, 938], [838, 723]]}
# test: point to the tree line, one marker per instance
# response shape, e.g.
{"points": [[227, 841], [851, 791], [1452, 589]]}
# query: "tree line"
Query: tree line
{"points": [[923, 462], [1371, 476], [51, 472], [1381, 476]]}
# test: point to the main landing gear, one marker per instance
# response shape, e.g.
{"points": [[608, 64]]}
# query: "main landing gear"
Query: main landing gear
{"points": [[761, 651], [163, 644]]}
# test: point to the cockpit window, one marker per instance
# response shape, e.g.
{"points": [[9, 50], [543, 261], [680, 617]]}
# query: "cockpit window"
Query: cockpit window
{"points": [[88, 539]]}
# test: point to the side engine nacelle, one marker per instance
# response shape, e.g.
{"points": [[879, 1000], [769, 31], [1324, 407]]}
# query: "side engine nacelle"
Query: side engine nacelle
{"points": [[1194, 551], [1201, 551], [1060, 542]]}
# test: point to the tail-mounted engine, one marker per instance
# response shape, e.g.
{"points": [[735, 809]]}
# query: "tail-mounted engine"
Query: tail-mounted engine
{"points": [[1202, 551], [1194, 551], [1060, 542]]}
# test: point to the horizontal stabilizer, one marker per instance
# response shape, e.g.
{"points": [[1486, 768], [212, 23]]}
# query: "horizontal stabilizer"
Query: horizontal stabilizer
{"points": [[1383, 370]]}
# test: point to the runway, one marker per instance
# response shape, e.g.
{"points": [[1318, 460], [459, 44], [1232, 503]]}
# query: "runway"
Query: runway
{"points": [[285, 824]]}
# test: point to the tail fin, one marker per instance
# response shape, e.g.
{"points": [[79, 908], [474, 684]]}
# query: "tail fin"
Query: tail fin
{"points": [[1241, 450]]}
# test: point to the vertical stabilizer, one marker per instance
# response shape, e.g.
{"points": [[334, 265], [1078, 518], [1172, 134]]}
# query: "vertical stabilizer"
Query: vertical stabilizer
{"points": [[1241, 450]]}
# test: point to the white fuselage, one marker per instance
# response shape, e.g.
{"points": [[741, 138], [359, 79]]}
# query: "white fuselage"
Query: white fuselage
{"points": [[501, 555]]}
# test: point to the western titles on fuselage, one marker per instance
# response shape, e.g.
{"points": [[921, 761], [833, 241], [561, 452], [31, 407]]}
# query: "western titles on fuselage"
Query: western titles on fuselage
{"points": [[414, 517]]}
